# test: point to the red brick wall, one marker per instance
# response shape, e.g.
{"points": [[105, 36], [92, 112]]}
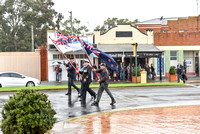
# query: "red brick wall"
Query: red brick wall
{"points": [[190, 24], [182, 32], [44, 63], [177, 39]]}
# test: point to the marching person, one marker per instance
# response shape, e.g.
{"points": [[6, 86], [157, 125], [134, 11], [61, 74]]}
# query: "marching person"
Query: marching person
{"points": [[71, 76], [85, 82], [104, 81]]}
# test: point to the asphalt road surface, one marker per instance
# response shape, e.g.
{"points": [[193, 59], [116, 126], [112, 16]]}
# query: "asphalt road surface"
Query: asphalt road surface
{"points": [[126, 98]]}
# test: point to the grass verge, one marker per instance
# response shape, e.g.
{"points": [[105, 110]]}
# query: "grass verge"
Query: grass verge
{"points": [[12, 89]]}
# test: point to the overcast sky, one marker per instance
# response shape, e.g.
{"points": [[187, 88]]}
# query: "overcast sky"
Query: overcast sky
{"points": [[94, 12]]}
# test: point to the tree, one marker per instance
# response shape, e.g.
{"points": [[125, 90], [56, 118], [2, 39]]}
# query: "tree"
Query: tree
{"points": [[78, 29], [17, 16], [112, 22]]}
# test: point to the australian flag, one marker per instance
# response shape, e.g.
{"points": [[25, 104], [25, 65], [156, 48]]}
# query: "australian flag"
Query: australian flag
{"points": [[110, 62]]}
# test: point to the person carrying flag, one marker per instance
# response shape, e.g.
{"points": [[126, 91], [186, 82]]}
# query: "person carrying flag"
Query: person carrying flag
{"points": [[71, 76], [104, 81], [85, 82]]}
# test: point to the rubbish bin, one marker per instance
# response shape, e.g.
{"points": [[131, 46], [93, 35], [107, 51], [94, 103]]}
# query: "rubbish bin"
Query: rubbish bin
{"points": [[143, 77]]}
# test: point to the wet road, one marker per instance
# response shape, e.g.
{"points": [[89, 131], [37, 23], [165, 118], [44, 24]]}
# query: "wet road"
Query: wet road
{"points": [[127, 98]]}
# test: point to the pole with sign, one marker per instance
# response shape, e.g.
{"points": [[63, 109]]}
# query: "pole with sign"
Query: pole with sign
{"points": [[135, 55]]}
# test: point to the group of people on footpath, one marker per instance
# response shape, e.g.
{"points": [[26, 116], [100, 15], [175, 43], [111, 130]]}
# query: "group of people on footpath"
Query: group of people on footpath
{"points": [[86, 78], [124, 71]]}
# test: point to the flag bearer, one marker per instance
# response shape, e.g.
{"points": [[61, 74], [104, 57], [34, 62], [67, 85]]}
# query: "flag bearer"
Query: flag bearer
{"points": [[104, 81], [85, 82], [71, 76]]}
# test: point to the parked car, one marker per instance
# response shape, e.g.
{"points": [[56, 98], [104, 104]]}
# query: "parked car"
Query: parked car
{"points": [[13, 79]]}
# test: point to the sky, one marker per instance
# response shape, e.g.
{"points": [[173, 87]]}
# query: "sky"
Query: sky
{"points": [[94, 12]]}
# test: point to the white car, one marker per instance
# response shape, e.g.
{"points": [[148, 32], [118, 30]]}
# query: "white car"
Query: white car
{"points": [[12, 79]]}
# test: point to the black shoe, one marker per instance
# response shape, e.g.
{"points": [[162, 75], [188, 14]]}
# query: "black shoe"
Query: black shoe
{"points": [[94, 97], [79, 95], [113, 102], [67, 94], [95, 104]]}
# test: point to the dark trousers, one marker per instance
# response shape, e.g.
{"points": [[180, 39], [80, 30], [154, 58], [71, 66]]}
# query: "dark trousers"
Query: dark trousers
{"points": [[84, 88], [57, 76], [179, 76], [100, 91], [71, 83]]}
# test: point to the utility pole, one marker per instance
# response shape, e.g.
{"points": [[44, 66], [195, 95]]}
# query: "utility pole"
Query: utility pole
{"points": [[71, 22], [32, 38], [197, 8]]}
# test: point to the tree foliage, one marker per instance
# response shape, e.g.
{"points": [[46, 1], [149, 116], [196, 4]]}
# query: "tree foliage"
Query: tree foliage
{"points": [[27, 112], [112, 22], [77, 28], [17, 17]]}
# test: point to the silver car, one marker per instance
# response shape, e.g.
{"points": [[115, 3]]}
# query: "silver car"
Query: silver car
{"points": [[13, 79]]}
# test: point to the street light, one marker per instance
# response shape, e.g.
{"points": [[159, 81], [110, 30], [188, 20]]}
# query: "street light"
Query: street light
{"points": [[135, 55]]}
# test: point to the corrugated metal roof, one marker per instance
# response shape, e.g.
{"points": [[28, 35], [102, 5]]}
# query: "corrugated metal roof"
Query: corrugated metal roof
{"points": [[161, 21], [127, 48]]}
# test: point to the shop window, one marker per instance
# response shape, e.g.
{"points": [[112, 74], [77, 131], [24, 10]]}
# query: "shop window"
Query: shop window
{"points": [[173, 58]]}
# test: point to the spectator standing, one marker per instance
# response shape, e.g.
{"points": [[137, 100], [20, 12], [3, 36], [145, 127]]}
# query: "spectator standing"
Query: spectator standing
{"points": [[179, 72], [121, 70], [152, 72], [185, 66], [57, 72], [94, 74]]}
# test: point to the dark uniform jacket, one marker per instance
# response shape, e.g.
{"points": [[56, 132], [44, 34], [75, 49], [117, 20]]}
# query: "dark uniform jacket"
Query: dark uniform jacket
{"points": [[86, 74], [104, 76], [71, 70], [179, 69]]}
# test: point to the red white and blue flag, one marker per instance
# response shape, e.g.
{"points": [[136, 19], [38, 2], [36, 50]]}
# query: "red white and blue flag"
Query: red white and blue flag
{"points": [[110, 62]]}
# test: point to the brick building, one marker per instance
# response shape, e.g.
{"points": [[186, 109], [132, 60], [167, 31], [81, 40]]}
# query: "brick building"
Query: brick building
{"points": [[178, 38]]}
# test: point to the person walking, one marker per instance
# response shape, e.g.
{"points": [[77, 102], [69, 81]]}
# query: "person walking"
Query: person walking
{"points": [[85, 82], [104, 81], [179, 72], [152, 72], [71, 76]]}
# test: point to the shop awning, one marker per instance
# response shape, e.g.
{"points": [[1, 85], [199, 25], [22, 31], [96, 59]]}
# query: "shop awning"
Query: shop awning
{"points": [[117, 50]]}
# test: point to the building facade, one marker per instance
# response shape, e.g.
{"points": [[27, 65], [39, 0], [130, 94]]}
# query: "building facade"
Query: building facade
{"points": [[178, 38], [117, 42], [53, 55]]}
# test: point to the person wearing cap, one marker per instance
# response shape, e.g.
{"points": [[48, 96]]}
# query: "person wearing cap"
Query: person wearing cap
{"points": [[71, 76], [85, 82], [104, 81]]}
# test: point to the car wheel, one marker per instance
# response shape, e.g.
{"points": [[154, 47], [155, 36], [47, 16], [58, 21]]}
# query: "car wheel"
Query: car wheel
{"points": [[30, 84]]}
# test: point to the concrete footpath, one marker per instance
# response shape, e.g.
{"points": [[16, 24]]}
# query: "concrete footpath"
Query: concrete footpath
{"points": [[168, 120]]}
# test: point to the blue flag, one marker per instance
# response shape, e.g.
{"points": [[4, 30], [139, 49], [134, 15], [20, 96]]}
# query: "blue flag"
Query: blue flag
{"points": [[110, 62]]}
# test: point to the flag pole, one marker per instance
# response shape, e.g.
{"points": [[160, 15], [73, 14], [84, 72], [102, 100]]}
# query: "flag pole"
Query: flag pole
{"points": [[88, 59], [63, 54]]}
